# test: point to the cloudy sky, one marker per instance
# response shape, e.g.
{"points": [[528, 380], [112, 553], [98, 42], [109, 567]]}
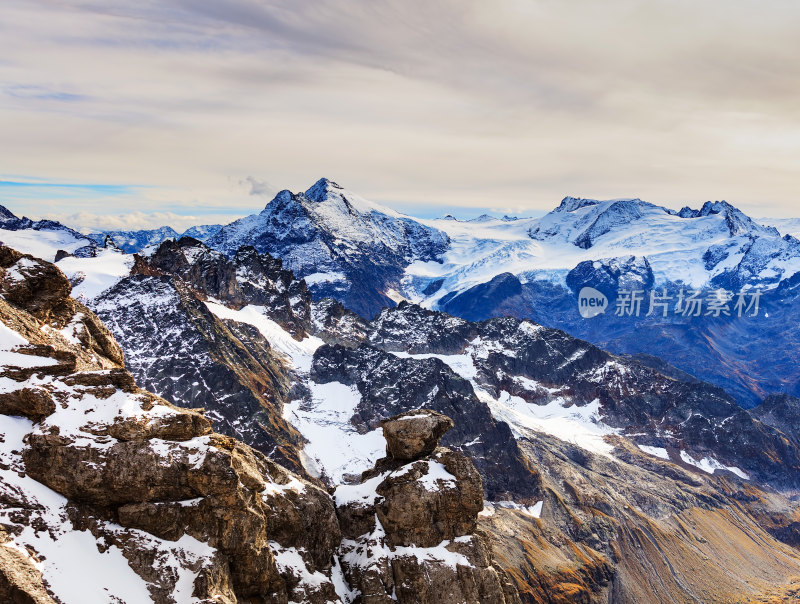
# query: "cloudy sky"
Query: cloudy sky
{"points": [[146, 112]]}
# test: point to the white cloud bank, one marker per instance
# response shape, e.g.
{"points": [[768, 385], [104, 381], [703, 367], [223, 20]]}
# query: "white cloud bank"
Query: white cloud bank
{"points": [[87, 222]]}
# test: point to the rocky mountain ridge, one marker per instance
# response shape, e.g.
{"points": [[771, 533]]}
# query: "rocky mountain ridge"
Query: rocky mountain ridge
{"points": [[110, 493]]}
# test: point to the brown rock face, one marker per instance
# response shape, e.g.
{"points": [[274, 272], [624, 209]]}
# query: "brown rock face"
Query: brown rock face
{"points": [[182, 504], [409, 527], [28, 282], [41, 291], [240, 502], [33, 403], [414, 434], [430, 500]]}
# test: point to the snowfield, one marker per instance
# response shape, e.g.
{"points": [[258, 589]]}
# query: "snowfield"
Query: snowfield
{"points": [[92, 276], [334, 448], [547, 247]]}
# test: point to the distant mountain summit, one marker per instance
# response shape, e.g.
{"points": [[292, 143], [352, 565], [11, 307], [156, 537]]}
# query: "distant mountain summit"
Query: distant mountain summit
{"points": [[342, 244], [135, 241]]}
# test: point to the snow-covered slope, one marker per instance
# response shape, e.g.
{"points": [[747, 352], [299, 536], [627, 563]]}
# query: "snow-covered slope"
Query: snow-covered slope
{"points": [[42, 238], [91, 276]]}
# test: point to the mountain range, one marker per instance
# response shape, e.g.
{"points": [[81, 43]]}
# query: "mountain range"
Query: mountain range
{"points": [[617, 460], [368, 257]]}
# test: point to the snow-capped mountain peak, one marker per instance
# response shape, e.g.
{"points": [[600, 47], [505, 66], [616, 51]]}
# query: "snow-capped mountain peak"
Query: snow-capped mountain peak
{"points": [[738, 222], [342, 244], [326, 191]]}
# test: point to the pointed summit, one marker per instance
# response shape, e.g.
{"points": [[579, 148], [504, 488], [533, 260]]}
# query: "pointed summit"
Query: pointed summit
{"points": [[6, 214], [321, 189], [738, 222], [281, 197], [326, 192], [570, 204]]}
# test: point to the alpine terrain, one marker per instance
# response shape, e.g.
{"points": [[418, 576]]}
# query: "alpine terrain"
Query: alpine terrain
{"points": [[332, 401]]}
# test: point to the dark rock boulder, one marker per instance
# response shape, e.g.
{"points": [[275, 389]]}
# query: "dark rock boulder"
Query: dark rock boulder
{"points": [[415, 434]]}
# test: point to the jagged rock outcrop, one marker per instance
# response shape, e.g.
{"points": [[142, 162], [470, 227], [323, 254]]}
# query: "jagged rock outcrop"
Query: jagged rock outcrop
{"points": [[410, 526], [432, 331], [246, 278], [43, 291], [177, 347], [335, 324], [154, 505]]}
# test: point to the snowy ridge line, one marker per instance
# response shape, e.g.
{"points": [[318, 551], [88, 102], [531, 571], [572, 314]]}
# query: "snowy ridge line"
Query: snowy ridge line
{"points": [[298, 353], [675, 244]]}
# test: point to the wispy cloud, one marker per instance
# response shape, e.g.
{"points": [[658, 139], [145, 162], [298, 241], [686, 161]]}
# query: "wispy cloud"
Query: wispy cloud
{"points": [[259, 187], [40, 93]]}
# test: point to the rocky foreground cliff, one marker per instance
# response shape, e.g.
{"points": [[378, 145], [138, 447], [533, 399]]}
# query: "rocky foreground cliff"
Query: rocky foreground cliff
{"points": [[109, 493]]}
